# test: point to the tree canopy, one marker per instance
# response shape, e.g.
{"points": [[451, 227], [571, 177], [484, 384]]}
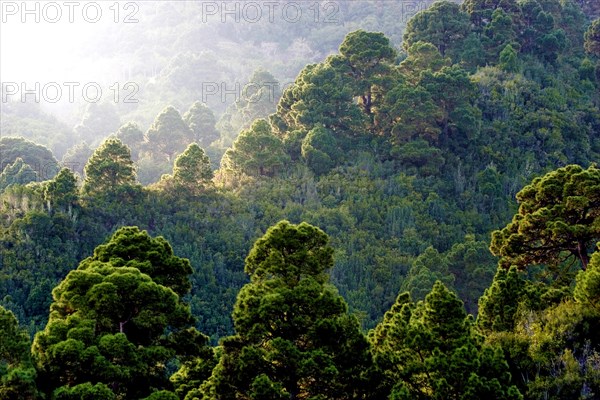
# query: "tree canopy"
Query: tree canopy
{"points": [[256, 152], [192, 168], [17, 375], [118, 319], [557, 223], [37, 157], [417, 348], [294, 338], [407, 155], [109, 168], [169, 133], [201, 121]]}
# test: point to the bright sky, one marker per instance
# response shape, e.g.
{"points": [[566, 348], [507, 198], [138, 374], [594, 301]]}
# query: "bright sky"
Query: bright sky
{"points": [[53, 52]]}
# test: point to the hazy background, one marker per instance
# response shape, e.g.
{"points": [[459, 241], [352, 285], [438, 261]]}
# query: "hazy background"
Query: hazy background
{"points": [[164, 53]]}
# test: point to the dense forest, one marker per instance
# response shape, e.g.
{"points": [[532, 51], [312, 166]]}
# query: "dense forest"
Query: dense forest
{"points": [[415, 216]]}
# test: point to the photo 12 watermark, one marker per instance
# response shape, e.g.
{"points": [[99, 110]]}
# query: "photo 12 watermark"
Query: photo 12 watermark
{"points": [[41, 172], [252, 92], [54, 92], [327, 12], [53, 12], [410, 8], [304, 11]]}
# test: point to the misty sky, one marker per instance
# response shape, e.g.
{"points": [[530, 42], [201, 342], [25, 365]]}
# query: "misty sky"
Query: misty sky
{"points": [[47, 51]]}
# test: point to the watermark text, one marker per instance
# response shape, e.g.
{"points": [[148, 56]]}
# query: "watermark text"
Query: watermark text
{"points": [[53, 12], [54, 92]]}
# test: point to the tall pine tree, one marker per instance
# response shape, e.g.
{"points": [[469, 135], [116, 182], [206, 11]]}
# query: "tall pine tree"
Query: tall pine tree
{"points": [[294, 338]]}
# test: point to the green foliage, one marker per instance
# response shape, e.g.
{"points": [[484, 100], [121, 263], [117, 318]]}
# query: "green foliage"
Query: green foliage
{"points": [[201, 121], [472, 266], [419, 157], [61, 193], [188, 379], [17, 375], [544, 326], [569, 379], [392, 160], [587, 289], [443, 24], [473, 140], [169, 134], [37, 157], [414, 118], [294, 336], [152, 256], [428, 268], [118, 319], [422, 56], [320, 96], [320, 150], [557, 220], [192, 171], [131, 136], [162, 395], [109, 168], [84, 391], [586, 70], [500, 35], [453, 93], [429, 350], [508, 59], [592, 38], [565, 353], [366, 53], [17, 173], [482, 10], [499, 305], [366, 58], [256, 152]]}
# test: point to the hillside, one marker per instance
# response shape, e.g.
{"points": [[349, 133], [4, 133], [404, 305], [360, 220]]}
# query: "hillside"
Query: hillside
{"points": [[395, 183]]}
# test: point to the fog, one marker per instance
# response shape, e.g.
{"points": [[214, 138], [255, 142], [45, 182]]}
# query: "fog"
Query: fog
{"points": [[138, 57]]}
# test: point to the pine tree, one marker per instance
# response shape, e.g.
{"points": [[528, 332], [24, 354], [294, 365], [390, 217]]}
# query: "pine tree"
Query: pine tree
{"points": [[294, 338], [17, 375], [17, 173], [201, 121], [117, 320], [592, 38], [508, 59], [429, 350], [367, 58], [169, 134], [61, 192], [132, 136], [320, 150], [109, 168], [499, 304], [256, 152], [557, 222], [443, 24], [587, 289], [192, 168]]}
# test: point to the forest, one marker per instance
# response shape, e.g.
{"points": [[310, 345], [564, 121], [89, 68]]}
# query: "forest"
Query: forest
{"points": [[416, 215]]}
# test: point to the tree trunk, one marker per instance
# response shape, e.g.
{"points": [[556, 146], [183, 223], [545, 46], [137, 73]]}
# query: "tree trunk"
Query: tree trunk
{"points": [[583, 255]]}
